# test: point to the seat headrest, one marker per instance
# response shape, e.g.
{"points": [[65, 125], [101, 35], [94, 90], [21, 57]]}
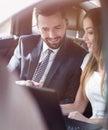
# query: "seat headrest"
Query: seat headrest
{"points": [[75, 18]]}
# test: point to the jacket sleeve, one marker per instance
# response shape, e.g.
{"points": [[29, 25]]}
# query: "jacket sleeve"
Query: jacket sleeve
{"points": [[14, 63], [72, 87]]}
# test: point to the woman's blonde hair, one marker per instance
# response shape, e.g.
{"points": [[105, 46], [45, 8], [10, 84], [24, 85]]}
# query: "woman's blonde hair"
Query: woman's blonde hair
{"points": [[96, 60]]}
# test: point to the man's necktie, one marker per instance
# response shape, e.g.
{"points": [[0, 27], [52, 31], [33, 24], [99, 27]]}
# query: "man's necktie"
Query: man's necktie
{"points": [[40, 69]]}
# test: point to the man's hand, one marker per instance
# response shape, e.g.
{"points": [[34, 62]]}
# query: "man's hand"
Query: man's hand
{"points": [[29, 83]]}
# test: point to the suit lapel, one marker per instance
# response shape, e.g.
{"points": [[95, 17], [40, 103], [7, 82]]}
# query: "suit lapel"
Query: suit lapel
{"points": [[59, 60], [34, 57]]}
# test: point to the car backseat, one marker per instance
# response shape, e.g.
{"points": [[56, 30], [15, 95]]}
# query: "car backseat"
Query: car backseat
{"points": [[7, 46], [75, 31]]}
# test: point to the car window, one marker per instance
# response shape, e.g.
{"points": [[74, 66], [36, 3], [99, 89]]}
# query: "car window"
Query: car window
{"points": [[34, 27], [9, 8]]}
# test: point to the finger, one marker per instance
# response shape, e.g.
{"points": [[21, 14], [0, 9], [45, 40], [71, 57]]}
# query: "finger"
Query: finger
{"points": [[73, 114], [21, 82], [29, 83]]}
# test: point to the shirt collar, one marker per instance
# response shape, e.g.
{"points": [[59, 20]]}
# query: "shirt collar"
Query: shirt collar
{"points": [[45, 47]]}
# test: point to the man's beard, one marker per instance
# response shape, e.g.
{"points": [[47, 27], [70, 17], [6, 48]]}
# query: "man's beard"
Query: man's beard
{"points": [[56, 45]]}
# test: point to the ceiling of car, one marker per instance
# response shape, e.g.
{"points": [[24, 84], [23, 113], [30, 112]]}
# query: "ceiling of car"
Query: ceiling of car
{"points": [[73, 7]]}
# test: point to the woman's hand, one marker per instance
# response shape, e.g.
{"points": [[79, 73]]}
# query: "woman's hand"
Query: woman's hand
{"points": [[66, 109], [78, 116]]}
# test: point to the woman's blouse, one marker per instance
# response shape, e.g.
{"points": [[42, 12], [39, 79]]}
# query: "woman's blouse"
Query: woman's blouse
{"points": [[93, 92]]}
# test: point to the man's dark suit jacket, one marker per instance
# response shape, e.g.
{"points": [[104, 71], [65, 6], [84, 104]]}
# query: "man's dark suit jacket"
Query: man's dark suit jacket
{"points": [[64, 75]]}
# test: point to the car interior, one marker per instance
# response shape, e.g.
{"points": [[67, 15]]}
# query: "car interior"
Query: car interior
{"points": [[24, 23]]}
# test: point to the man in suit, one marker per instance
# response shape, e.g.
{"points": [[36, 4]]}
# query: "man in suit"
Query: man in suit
{"points": [[63, 70]]}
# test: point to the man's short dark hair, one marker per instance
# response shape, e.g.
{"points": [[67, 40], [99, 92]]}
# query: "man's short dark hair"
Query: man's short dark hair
{"points": [[49, 11]]}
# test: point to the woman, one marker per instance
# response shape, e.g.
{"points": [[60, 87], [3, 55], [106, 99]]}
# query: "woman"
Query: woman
{"points": [[92, 85]]}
